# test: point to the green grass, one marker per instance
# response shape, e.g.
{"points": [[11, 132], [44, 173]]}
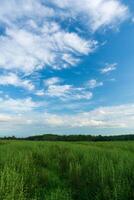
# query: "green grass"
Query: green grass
{"points": [[66, 171]]}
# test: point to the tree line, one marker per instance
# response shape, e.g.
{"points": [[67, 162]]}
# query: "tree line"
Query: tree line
{"points": [[73, 138]]}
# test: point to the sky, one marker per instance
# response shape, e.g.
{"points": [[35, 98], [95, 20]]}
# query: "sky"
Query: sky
{"points": [[66, 67]]}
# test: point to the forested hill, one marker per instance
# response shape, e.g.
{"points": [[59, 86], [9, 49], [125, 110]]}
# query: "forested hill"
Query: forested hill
{"points": [[52, 137]]}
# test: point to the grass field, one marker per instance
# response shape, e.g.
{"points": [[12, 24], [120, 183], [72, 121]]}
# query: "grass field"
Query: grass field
{"points": [[66, 171]]}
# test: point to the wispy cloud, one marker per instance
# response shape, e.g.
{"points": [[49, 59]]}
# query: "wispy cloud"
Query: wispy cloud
{"points": [[108, 68], [98, 13], [28, 51], [33, 40], [93, 83], [13, 79], [36, 35], [57, 88]]}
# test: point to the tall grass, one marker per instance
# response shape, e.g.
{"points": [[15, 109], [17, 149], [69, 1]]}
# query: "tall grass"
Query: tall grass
{"points": [[66, 171]]}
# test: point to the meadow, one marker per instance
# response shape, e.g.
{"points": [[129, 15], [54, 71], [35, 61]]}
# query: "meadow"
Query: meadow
{"points": [[66, 170]]}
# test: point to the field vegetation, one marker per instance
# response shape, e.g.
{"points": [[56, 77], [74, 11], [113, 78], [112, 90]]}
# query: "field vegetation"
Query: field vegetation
{"points": [[33, 170]]}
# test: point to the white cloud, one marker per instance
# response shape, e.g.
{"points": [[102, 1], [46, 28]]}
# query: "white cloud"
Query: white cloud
{"points": [[17, 105], [33, 40], [52, 119], [11, 11], [108, 68], [68, 92], [14, 80], [40, 92], [94, 83], [121, 116], [58, 90], [55, 88], [97, 13], [28, 51], [5, 118], [103, 117], [52, 81], [33, 37], [70, 121]]}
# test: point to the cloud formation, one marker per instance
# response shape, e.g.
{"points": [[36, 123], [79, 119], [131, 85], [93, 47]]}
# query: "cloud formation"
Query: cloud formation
{"points": [[32, 39], [56, 88], [12, 79], [108, 68], [17, 105], [121, 116], [98, 13], [93, 83], [54, 35]]}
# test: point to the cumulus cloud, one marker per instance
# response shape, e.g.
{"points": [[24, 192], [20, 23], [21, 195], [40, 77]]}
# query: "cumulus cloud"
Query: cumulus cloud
{"points": [[103, 117], [97, 13], [68, 92], [34, 36], [52, 81], [40, 92], [14, 80], [5, 118], [17, 105], [121, 116], [56, 88], [108, 68], [11, 10], [70, 121]]}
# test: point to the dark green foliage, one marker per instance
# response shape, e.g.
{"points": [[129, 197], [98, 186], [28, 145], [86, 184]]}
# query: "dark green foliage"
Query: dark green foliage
{"points": [[66, 171], [73, 138]]}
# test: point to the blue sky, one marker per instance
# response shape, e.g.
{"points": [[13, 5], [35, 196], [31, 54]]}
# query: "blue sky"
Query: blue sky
{"points": [[66, 67]]}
